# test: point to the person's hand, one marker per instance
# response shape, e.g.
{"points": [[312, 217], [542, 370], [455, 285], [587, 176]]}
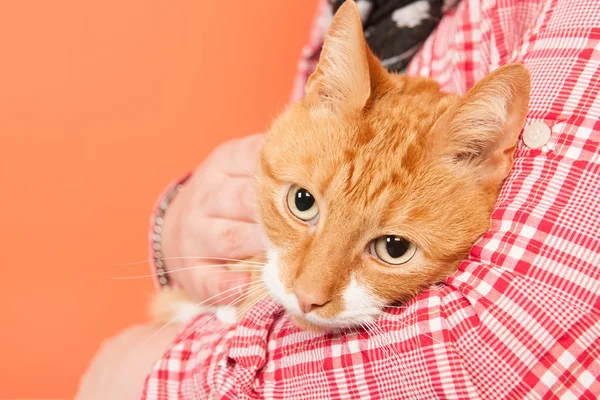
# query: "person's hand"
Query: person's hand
{"points": [[214, 215]]}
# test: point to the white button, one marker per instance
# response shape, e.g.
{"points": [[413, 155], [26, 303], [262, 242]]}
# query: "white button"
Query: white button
{"points": [[536, 135]]}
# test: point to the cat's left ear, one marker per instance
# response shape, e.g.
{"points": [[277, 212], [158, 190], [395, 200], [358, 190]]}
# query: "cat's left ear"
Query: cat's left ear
{"points": [[341, 81], [483, 127]]}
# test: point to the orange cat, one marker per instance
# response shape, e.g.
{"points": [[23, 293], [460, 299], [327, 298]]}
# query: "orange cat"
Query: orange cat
{"points": [[376, 185]]}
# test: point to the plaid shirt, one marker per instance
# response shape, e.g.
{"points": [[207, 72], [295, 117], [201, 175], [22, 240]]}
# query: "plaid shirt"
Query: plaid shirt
{"points": [[521, 316]]}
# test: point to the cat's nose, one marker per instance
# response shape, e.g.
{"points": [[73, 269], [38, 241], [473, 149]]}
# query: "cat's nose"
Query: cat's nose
{"points": [[308, 299]]}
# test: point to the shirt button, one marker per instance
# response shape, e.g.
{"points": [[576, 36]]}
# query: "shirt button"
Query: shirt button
{"points": [[536, 135]]}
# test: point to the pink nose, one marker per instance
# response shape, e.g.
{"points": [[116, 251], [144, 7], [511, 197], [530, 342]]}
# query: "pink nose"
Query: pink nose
{"points": [[308, 300]]}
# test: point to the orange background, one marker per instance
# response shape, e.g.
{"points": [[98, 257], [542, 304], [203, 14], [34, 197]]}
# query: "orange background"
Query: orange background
{"points": [[102, 102]]}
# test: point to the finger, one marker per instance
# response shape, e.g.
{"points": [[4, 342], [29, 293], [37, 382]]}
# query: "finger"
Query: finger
{"points": [[234, 239], [235, 199], [240, 157]]}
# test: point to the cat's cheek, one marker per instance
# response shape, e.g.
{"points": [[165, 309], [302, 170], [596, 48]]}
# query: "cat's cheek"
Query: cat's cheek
{"points": [[360, 300], [358, 305], [271, 278]]}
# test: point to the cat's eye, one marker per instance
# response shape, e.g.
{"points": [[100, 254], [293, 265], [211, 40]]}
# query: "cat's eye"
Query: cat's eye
{"points": [[393, 250], [302, 204]]}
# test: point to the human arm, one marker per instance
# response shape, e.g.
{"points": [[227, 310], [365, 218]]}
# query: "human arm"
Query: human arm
{"points": [[121, 365]]}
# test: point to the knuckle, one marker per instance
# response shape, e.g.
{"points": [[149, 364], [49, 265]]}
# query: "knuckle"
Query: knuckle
{"points": [[230, 239], [248, 200], [201, 197]]}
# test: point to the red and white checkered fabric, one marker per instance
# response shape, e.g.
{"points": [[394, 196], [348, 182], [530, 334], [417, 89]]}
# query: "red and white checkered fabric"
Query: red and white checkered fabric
{"points": [[520, 319]]}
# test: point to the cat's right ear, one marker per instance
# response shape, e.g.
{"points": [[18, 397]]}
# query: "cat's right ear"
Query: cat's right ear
{"points": [[482, 128], [341, 80]]}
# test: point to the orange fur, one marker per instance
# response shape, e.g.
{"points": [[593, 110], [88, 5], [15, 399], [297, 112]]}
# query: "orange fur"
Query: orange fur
{"points": [[384, 154]]}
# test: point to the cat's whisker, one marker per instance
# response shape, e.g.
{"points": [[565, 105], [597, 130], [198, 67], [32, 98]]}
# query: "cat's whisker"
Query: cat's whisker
{"points": [[242, 311], [124, 278], [255, 301], [251, 285], [380, 338], [192, 330], [372, 336], [247, 268], [376, 335], [235, 301], [233, 280], [388, 343], [191, 258], [203, 303]]}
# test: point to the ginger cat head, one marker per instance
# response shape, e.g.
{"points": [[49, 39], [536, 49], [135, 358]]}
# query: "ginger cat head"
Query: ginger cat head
{"points": [[376, 185]]}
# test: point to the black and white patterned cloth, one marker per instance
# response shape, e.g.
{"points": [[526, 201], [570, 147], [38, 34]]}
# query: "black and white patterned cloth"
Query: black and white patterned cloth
{"points": [[396, 29]]}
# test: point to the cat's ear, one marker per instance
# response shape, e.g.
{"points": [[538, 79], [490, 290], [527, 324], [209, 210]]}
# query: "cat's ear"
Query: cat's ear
{"points": [[483, 127], [341, 79]]}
